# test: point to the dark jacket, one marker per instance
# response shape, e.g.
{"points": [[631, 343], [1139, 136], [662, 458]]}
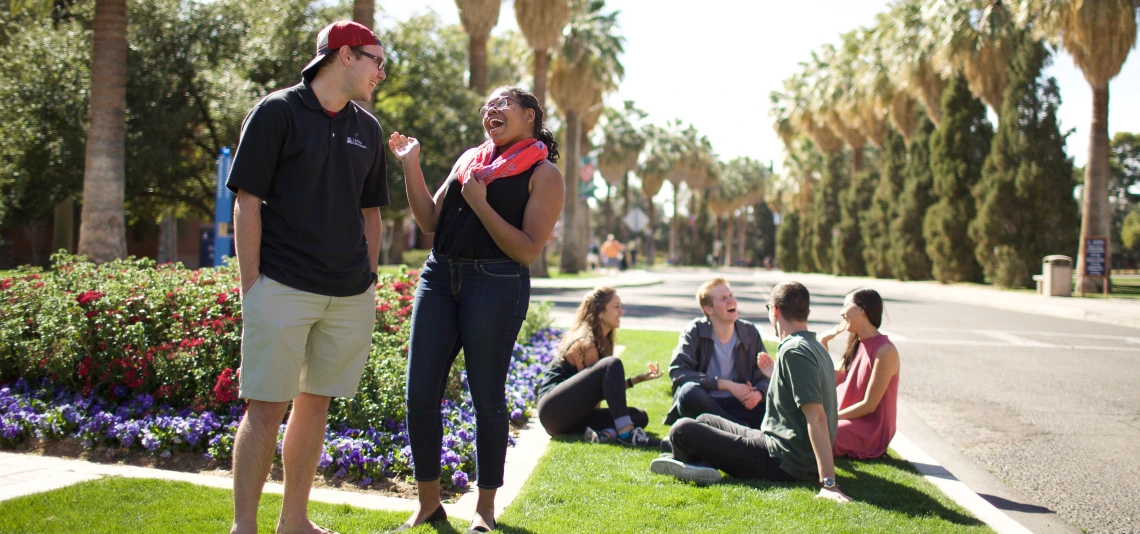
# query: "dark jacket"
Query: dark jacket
{"points": [[696, 348]]}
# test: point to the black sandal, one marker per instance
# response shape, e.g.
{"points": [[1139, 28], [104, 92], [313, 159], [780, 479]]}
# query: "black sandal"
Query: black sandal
{"points": [[438, 515]]}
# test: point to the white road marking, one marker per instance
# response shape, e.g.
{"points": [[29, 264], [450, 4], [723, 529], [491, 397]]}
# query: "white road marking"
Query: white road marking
{"points": [[1015, 340]]}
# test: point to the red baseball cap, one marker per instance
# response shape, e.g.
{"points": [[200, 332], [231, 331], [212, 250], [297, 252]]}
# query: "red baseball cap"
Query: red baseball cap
{"points": [[335, 35]]}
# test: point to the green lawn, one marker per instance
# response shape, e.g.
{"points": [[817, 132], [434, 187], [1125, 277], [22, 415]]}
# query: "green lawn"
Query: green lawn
{"points": [[579, 487], [575, 488]]}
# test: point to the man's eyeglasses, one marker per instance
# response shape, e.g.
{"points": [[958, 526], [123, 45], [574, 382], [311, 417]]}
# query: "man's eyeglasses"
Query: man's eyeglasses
{"points": [[380, 62], [497, 104], [768, 307]]}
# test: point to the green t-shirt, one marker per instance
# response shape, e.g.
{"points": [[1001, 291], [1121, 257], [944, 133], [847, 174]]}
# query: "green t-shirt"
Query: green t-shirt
{"points": [[804, 374]]}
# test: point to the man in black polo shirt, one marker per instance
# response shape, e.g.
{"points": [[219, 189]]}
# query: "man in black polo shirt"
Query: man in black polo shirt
{"points": [[309, 174]]}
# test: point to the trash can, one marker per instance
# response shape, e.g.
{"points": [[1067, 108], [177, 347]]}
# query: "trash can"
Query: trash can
{"points": [[1057, 271]]}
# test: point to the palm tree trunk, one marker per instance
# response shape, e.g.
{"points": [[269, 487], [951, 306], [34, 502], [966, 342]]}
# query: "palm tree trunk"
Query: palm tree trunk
{"points": [[610, 210], [1094, 213], [742, 235], [673, 223], [168, 238], [102, 230], [399, 240], [573, 254], [651, 246], [364, 12], [728, 234], [624, 208], [856, 161], [477, 49], [541, 66], [717, 236], [63, 232]]}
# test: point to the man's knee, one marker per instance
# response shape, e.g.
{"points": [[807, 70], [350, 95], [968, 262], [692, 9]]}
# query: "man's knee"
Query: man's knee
{"points": [[682, 429], [262, 414], [691, 396]]}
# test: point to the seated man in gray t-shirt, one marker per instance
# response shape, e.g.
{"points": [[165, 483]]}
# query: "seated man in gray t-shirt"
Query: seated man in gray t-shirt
{"points": [[714, 366]]}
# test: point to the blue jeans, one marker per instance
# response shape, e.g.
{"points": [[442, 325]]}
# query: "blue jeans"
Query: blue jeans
{"points": [[477, 306], [694, 401]]}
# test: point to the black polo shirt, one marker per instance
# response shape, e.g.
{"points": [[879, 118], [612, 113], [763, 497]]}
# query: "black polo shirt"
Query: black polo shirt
{"points": [[314, 173]]}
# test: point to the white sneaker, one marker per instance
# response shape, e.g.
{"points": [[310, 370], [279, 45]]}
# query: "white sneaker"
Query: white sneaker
{"points": [[684, 471]]}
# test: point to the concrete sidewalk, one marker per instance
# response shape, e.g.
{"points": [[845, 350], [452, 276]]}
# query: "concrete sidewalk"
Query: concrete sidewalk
{"points": [[1114, 311], [627, 278]]}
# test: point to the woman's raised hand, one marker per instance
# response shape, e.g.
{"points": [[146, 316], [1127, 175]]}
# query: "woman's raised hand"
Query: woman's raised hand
{"points": [[405, 148], [652, 373]]}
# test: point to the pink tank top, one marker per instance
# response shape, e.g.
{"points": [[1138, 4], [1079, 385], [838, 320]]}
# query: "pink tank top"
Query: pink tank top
{"points": [[867, 436]]}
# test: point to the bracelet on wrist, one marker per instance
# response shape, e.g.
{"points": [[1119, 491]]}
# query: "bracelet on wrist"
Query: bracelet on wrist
{"points": [[629, 383]]}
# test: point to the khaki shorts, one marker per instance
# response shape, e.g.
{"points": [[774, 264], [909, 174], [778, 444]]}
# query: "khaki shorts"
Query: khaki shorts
{"points": [[293, 341]]}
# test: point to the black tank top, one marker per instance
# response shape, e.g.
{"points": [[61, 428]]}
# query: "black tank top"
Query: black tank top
{"points": [[461, 235]]}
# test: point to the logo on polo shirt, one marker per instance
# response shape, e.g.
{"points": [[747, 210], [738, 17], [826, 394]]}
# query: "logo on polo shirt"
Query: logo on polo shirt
{"points": [[355, 141]]}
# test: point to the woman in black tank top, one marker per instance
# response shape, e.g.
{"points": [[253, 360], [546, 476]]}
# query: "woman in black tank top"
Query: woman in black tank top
{"points": [[491, 219]]}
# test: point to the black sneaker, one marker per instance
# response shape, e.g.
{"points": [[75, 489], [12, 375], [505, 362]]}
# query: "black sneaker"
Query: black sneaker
{"points": [[593, 436], [637, 438], [667, 465]]}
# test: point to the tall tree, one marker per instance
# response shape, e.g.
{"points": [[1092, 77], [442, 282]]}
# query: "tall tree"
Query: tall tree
{"points": [[825, 212], [655, 166], [787, 242], [907, 255], [541, 21], [364, 12], [847, 258], [586, 64], [478, 18], [974, 38], [875, 220], [1025, 202], [1124, 195], [1099, 34], [621, 145], [103, 230], [957, 151], [910, 56]]}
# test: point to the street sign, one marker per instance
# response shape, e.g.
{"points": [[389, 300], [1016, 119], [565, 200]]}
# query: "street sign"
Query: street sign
{"points": [[1095, 251], [586, 190], [636, 219]]}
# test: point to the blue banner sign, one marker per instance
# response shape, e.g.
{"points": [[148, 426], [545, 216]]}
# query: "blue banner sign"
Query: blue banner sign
{"points": [[1096, 249], [223, 211]]}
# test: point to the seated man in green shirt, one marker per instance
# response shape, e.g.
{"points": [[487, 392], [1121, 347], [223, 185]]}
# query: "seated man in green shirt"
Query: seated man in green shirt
{"points": [[796, 438]]}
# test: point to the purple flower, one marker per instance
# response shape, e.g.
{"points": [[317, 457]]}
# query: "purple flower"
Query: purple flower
{"points": [[366, 482], [459, 479]]}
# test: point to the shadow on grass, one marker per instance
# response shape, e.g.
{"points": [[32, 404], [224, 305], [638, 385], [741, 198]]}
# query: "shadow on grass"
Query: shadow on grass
{"points": [[862, 485]]}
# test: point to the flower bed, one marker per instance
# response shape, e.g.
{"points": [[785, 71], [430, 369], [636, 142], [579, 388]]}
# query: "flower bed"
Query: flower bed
{"points": [[143, 357]]}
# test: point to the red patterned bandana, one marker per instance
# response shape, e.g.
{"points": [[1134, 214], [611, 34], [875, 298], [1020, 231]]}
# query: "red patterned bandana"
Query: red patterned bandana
{"points": [[480, 162]]}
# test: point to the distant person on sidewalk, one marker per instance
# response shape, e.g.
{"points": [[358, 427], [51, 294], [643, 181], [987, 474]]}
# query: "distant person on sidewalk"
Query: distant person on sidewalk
{"points": [[593, 257], [491, 219], [585, 373], [612, 251], [307, 225], [799, 423], [868, 378], [714, 368]]}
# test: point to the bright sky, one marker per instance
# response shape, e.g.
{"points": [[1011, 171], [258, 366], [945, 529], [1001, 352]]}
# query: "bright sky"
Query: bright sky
{"points": [[713, 63]]}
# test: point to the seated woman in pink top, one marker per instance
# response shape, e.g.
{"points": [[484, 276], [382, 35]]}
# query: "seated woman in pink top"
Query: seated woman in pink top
{"points": [[868, 378]]}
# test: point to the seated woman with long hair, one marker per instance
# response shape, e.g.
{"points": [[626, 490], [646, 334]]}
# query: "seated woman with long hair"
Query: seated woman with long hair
{"points": [[868, 378], [585, 372]]}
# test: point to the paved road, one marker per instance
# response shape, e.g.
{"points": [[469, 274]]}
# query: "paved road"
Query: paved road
{"points": [[1048, 406]]}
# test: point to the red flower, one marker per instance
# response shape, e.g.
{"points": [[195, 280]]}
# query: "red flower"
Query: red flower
{"points": [[6, 283], [401, 287], [38, 285], [226, 389], [91, 313], [88, 297], [222, 298], [85, 367]]}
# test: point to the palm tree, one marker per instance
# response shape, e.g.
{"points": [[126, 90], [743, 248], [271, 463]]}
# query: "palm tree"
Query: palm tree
{"points": [[585, 66], [1099, 34], [364, 12], [909, 52], [833, 97], [741, 183], [656, 164], [478, 18], [976, 37], [102, 230], [621, 145], [541, 22]]}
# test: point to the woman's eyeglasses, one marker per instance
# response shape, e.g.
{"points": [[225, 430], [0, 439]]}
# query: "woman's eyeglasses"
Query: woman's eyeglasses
{"points": [[497, 104]]}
